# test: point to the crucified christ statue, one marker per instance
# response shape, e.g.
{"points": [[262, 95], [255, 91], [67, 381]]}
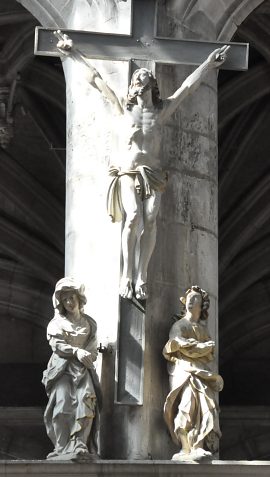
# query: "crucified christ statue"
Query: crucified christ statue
{"points": [[138, 179]]}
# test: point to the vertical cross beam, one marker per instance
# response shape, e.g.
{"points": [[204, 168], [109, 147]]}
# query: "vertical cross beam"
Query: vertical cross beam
{"points": [[130, 353]]}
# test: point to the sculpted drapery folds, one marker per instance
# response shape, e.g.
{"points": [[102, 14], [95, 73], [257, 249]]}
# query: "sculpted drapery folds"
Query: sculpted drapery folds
{"points": [[72, 413], [191, 410], [138, 178]]}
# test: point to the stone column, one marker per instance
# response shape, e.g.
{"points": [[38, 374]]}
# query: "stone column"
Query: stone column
{"points": [[92, 242], [187, 242], [185, 254], [186, 250]]}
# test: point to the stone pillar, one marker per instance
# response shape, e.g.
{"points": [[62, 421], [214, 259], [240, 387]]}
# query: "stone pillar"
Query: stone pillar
{"points": [[186, 250], [189, 211], [92, 242]]}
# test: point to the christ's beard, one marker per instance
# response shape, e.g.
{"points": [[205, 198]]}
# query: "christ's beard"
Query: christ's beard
{"points": [[139, 89]]}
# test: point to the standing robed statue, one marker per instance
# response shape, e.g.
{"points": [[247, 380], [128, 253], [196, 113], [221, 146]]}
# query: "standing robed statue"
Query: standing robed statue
{"points": [[191, 409], [71, 382]]}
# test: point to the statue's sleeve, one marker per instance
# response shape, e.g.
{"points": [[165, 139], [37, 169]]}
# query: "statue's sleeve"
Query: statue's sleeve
{"points": [[61, 347], [181, 345], [57, 341], [198, 351], [92, 345]]}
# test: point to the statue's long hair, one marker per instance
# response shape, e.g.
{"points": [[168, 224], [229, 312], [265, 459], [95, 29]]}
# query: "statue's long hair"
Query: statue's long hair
{"points": [[133, 90], [205, 301]]}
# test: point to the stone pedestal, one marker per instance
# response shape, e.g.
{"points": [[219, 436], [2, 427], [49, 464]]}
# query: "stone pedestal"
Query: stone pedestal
{"points": [[132, 468]]}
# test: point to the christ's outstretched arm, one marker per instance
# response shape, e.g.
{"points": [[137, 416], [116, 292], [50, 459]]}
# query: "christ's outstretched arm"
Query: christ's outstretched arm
{"points": [[65, 45], [193, 81]]}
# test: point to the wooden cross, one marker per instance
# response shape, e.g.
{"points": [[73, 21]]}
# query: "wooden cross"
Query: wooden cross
{"points": [[142, 44]]}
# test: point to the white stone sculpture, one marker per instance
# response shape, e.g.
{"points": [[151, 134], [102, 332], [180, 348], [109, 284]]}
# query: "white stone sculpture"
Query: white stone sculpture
{"points": [[138, 178], [191, 410], [72, 414]]}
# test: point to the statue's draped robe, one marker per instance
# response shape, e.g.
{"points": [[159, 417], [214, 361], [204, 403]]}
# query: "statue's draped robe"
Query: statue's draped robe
{"points": [[73, 390], [191, 404]]}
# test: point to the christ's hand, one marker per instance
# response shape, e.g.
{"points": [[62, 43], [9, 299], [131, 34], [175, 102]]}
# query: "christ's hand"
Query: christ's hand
{"points": [[65, 43], [218, 56]]}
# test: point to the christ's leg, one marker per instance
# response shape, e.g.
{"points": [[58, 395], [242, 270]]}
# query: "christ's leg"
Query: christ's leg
{"points": [[147, 243], [132, 206]]}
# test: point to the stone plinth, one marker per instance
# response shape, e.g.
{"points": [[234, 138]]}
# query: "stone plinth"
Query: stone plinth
{"points": [[111, 468]]}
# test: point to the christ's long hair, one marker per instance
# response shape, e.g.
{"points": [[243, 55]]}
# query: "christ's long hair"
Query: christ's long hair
{"points": [[134, 91]]}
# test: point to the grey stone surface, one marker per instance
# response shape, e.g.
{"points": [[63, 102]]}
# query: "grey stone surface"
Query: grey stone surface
{"points": [[245, 433], [133, 468], [22, 434]]}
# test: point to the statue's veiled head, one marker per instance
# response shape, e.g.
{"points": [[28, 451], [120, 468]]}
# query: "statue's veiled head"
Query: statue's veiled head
{"points": [[65, 285]]}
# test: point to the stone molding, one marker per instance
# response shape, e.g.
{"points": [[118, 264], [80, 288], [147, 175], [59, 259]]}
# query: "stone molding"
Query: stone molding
{"points": [[112, 468], [44, 10]]}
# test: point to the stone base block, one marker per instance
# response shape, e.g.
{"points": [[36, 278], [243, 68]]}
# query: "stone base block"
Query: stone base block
{"points": [[134, 468]]}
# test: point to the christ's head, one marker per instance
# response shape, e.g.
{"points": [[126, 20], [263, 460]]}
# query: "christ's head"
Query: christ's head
{"points": [[143, 80]]}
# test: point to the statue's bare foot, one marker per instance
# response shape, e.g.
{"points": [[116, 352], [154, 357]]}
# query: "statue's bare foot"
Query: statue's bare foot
{"points": [[200, 454], [182, 456], [126, 289], [141, 291]]}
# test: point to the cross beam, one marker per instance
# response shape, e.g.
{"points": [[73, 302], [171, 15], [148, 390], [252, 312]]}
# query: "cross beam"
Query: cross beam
{"points": [[141, 44]]}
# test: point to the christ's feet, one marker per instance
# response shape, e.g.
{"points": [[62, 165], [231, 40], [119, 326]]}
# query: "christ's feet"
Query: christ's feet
{"points": [[141, 291], [126, 289]]}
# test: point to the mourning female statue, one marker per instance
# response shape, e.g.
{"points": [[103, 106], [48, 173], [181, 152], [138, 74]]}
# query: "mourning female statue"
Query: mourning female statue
{"points": [[70, 380], [138, 178], [190, 410]]}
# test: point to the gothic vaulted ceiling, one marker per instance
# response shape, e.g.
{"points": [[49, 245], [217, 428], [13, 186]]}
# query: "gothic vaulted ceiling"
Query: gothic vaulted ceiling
{"points": [[244, 218], [32, 191]]}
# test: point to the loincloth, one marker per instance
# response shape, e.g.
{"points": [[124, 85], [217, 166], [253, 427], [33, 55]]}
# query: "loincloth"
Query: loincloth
{"points": [[146, 180]]}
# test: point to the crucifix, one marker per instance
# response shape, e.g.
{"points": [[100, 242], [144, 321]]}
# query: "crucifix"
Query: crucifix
{"points": [[142, 46]]}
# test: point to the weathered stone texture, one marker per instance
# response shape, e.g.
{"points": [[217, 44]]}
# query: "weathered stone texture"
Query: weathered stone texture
{"points": [[132, 468]]}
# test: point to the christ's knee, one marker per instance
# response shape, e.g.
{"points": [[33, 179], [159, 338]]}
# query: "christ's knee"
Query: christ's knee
{"points": [[132, 220], [150, 224]]}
